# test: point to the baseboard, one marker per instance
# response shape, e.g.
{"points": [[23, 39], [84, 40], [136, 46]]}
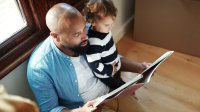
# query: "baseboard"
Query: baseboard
{"points": [[123, 29]]}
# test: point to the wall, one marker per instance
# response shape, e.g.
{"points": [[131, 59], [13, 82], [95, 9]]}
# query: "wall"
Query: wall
{"points": [[171, 24], [124, 21], [15, 82]]}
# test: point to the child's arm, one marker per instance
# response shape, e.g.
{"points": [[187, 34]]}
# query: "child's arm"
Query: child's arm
{"points": [[103, 57], [101, 70]]}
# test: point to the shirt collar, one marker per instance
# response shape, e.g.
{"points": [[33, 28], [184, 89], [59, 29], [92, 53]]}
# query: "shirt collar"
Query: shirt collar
{"points": [[58, 50]]}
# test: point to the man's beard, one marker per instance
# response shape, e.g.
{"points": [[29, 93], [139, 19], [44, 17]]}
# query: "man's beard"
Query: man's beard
{"points": [[80, 49]]}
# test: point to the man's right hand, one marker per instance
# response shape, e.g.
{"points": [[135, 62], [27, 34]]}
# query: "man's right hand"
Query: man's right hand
{"points": [[88, 107]]}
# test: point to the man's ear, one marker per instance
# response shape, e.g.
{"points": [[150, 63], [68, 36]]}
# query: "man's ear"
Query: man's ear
{"points": [[55, 36]]}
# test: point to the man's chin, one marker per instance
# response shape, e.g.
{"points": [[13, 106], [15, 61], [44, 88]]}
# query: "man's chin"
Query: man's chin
{"points": [[80, 50], [84, 49]]}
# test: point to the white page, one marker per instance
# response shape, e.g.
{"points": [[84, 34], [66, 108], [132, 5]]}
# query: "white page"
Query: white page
{"points": [[145, 79]]}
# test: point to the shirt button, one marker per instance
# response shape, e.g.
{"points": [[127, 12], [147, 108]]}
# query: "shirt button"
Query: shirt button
{"points": [[70, 64], [78, 95], [76, 81]]}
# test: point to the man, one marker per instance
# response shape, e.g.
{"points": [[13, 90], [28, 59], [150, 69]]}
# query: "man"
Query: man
{"points": [[57, 72]]}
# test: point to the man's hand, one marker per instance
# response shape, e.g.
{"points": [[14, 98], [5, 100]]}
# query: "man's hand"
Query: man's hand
{"points": [[88, 107], [133, 66], [144, 65]]}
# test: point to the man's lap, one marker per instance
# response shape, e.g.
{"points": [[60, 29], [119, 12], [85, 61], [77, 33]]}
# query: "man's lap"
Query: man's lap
{"points": [[123, 104]]}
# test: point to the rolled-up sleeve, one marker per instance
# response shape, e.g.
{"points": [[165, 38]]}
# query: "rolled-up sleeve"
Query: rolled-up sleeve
{"points": [[44, 91]]}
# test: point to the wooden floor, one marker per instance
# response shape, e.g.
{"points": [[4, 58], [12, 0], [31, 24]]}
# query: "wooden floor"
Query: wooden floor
{"points": [[175, 87]]}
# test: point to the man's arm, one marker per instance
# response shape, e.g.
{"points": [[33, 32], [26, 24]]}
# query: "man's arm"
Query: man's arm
{"points": [[132, 66], [46, 95], [43, 90]]}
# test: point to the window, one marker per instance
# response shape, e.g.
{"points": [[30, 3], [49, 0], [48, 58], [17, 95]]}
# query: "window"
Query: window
{"points": [[11, 20], [23, 26]]}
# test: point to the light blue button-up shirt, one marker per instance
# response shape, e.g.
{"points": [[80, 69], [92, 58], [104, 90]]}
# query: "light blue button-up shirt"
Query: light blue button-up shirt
{"points": [[52, 78]]}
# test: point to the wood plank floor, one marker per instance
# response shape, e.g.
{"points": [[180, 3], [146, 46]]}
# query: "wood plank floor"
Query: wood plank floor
{"points": [[175, 87]]}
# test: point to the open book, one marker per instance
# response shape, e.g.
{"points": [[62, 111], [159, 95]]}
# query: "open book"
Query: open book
{"points": [[131, 86]]}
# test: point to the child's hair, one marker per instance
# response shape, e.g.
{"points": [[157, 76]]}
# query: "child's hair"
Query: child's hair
{"points": [[95, 9]]}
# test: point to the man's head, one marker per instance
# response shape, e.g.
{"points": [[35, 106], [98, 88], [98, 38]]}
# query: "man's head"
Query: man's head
{"points": [[67, 28]]}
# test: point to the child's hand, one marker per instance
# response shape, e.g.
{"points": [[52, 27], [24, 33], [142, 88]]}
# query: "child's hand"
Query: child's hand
{"points": [[114, 68]]}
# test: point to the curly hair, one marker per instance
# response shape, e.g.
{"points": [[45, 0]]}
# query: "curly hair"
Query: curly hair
{"points": [[96, 9]]}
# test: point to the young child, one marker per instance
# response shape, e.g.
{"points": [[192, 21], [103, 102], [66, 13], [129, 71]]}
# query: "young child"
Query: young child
{"points": [[102, 54]]}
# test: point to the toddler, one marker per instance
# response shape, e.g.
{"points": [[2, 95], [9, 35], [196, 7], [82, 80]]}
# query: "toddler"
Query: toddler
{"points": [[102, 54]]}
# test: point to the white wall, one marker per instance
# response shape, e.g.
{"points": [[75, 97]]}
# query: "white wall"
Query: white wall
{"points": [[15, 82], [170, 24], [124, 21]]}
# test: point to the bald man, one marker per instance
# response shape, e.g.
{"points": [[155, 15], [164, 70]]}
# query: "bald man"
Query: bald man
{"points": [[58, 73]]}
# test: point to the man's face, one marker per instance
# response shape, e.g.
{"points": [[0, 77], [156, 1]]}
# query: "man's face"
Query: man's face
{"points": [[74, 37], [105, 24]]}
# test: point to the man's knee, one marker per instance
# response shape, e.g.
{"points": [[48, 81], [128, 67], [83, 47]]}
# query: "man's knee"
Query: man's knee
{"points": [[129, 104]]}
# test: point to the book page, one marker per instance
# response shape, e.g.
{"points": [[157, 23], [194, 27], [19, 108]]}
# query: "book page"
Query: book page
{"points": [[147, 73], [118, 90]]}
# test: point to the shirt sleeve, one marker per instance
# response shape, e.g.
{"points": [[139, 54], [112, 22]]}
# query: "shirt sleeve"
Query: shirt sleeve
{"points": [[57, 109], [94, 58], [43, 90], [102, 50], [100, 69]]}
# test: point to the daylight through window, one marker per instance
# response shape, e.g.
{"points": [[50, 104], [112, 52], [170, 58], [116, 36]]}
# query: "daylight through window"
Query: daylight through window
{"points": [[11, 19]]}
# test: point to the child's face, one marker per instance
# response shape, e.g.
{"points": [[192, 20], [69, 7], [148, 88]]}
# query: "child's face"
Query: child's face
{"points": [[104, 25]]}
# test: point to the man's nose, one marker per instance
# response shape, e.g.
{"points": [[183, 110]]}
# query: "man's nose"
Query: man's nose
{"points": [[84, 36]]}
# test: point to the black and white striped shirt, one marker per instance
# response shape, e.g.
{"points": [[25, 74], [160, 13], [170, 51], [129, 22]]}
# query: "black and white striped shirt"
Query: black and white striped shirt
{"points": [[102, 53]]}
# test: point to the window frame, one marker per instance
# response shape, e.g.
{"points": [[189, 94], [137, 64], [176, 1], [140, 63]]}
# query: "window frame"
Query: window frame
{"points": [[18, 47]]}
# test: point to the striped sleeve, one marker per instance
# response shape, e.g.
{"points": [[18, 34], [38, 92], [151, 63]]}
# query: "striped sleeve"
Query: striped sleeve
{"points": [[101, 54]]}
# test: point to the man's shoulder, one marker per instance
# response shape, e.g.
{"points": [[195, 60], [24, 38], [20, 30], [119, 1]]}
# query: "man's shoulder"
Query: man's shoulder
{"points": [[41, 52]]}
